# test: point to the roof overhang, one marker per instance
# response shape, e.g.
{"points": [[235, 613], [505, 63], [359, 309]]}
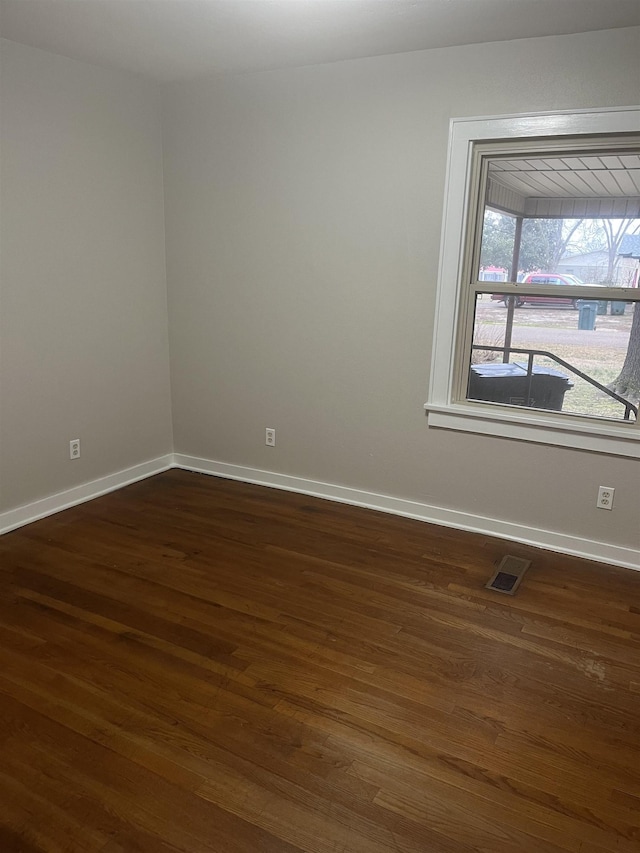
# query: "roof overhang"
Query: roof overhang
{"points": [[566, 187]]}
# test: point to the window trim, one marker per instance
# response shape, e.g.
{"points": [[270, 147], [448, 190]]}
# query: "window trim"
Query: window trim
{"points": [[460, 197]]}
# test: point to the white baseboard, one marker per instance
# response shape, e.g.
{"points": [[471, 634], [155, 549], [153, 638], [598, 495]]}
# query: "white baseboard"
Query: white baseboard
{"points": [[22, 515], [602, 552]]}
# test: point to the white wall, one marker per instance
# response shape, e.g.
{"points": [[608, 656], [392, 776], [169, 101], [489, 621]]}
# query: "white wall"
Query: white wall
{"points": [[303, 227], [303, 224], [84, 345]]}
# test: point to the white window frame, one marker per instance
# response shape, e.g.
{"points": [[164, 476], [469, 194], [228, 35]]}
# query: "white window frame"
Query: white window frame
{"points": [[444, 410]]}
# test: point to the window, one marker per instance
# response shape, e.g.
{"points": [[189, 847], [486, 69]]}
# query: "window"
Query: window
{"points": [[538, 312]]}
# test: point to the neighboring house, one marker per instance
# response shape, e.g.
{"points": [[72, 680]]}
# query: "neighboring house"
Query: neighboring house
{"points": [[493, 274], [630, 253], [630, 246], [592, 267]]}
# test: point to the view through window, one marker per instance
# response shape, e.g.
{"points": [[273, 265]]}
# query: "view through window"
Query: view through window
{"points": [[553, 316]]}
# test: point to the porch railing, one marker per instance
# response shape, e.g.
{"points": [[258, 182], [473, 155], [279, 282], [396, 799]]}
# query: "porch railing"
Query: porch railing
{"points": [[531, 353]]}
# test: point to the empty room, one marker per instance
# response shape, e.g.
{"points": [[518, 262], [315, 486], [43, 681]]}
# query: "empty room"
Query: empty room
{"points": [[319, 435]]}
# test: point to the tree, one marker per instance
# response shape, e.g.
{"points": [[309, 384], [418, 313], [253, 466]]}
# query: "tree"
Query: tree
{"points": [[498, 235], [627, 384], [614, 231], [544, 241]]}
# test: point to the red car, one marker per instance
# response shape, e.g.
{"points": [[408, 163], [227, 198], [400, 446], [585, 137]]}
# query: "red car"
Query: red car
{"points": [[543, 278]]}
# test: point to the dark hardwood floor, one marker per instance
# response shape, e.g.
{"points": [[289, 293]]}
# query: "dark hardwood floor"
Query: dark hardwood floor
{"points": [[192, 664]]}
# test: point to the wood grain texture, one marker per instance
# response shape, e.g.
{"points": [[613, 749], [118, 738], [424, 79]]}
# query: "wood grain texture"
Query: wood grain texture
{"points": [[192, 664]]}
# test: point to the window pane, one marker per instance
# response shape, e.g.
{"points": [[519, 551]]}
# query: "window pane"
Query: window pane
{"points": [[560, 251], [560, 341], [565, 217], [498, 239]]}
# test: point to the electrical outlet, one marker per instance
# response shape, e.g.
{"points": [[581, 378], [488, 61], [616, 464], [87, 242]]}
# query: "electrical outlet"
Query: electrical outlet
{"points": [[605, 497], [270, 437], [74, 448]]}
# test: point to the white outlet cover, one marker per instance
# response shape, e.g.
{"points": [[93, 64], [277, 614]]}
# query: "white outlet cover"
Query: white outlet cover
{"points": [[605, 497]]}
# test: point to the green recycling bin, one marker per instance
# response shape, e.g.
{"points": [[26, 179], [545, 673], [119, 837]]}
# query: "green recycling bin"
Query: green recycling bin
{"points": [[618, 307], [602, 306], [587, 310]]}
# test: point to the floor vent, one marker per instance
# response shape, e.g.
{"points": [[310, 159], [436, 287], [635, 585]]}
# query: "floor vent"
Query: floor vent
{"points": [[508, 575]]}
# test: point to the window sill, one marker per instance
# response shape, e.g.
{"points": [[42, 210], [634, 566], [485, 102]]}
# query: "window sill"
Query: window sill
{"points": [[614, 439]]}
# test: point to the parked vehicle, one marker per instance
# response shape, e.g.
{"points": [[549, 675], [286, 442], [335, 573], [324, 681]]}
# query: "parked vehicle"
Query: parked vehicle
{"points": [[542, 278]]}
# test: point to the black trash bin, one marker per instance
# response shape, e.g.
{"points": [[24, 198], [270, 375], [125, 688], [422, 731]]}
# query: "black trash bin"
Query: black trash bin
{"points": [[507, 383]]}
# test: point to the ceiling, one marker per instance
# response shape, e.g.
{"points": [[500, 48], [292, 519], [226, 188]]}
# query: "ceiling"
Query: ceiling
{"points": [[168, 40]]}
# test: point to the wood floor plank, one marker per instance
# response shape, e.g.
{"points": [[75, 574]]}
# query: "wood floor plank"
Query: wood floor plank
{"points": [[192, 664]]}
